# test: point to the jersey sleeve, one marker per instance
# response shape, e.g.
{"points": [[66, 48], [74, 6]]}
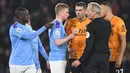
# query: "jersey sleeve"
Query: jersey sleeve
{"points": [[42, 50], [19, 32], [121, 28]]}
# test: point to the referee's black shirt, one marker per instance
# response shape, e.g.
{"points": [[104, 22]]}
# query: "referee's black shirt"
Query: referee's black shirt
{"points": [[98, 35]]}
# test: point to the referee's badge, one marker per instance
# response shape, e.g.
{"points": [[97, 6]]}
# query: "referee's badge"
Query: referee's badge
{"points": [[57, 32], [87, 34], [18, 29]]}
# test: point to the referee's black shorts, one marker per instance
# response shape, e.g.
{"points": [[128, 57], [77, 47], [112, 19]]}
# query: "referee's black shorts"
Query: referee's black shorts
{"points": [[98, 63], [115, 70]]}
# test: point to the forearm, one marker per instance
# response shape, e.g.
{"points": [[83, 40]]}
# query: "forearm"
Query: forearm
{"points": [[123, 46], [61, 41], [33, 34], [122, 50]]}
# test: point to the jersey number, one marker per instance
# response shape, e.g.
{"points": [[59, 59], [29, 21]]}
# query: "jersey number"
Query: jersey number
{"points": [[119, 71]]}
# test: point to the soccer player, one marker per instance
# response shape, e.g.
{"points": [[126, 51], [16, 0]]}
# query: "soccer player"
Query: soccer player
{"points": [[37, 47], [58, 40], [96, 53], [77, 25], [117, 41], [21, 58]]}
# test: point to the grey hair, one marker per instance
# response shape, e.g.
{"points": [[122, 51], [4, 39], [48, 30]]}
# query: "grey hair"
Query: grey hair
{"points": [[95, 7]]}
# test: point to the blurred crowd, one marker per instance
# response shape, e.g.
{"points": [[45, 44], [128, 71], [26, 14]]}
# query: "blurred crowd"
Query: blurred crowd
{"points": [[43, 11]]}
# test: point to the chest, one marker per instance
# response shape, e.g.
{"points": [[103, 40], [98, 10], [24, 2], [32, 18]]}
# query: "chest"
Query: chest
{"points": [[62, 32], [78, 27]]}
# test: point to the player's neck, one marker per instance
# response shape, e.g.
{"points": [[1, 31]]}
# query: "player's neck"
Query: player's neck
{"points": [[21, 22], [109, 16], [27, 24], [82, 19], [59, 18]]}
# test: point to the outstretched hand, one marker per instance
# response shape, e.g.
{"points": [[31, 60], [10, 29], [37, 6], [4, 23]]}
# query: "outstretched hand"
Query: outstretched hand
{"points": [[49, 25]]}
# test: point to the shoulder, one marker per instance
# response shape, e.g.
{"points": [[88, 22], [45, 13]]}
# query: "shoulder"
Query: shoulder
{"points": [[118, 20], [87, 20], [16, 27], [57, 24], [119, 23], [72, 20]]}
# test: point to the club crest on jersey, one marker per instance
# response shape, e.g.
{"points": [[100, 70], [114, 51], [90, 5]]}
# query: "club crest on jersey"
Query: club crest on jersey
{"points": [[87, 34], [18, 29], [76, 31], [123, 26], [57, 32]]}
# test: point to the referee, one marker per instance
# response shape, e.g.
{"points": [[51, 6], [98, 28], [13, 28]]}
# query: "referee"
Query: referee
{"points": [[96, 55]]}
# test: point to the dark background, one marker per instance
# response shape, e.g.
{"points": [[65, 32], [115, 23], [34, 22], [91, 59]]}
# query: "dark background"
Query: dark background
{"points": [[42, 11]]}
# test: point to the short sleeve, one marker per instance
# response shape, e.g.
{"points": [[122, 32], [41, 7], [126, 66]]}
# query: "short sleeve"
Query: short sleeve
{"points": [[121, 28]]}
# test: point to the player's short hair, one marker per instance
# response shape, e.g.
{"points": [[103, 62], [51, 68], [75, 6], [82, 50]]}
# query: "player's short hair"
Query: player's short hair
{"points": [[60, 6], [106, 3], [82, 4], [95, 7], [19, 11]]}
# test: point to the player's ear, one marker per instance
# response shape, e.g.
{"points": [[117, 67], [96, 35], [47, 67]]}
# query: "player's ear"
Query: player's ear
{"points": [[19, 16]]}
